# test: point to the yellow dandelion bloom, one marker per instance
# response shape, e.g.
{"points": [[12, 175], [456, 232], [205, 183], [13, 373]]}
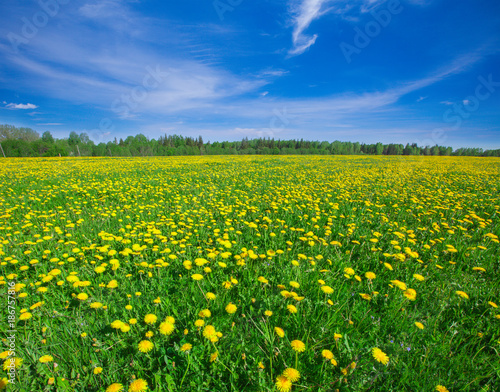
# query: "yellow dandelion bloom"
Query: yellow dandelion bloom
{"points": [[139, 385], [292, 374], [115, 387], [211, 296], [205, 313], [298, 345], [150, 319], [82, 296], [419, 325], [279, 331], [25, 316], [209, 331], [462, 294], [327, 289], [410, 294], [370, 275], [197, 277], [46, 358], [327, 354], [291, 309], [186, 347], [98, 370], [380, 356], [441, 388], [231, 308], [145, 346], [283, 384], [268, 313], [166, 328]]}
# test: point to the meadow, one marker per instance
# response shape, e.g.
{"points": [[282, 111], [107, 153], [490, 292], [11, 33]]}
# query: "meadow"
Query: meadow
{"points": [[248, 273]]}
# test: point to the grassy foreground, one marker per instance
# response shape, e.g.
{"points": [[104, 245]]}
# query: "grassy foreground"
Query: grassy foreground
{"points": [[250, 274]]}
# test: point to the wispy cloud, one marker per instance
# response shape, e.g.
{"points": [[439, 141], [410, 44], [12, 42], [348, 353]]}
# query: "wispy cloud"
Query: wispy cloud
{"points": [[22, 106]]}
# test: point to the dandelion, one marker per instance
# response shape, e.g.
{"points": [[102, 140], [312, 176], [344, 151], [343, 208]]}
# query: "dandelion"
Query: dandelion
{"points": [[214, 356], [327, 289], [150, 319], [209, 331], [370, 275], [283, 384], [96, 305], [82, 296], [294, 284], [3, 383], [365, 296], [211, 296], [205, 313], [197, 277], [292, 374], [327, 354], [17, 363], [199, 323], [25, 316], [462, 294], [419, 277], [441, 388], [46, 358], [410, 294], [279, 331], [98, 370], [166, 328], [493, 304], [186, 347], [139, 385], [298, 346], [380, 356], [115, 387], [231, 308], [268, 313], [145, 346], [419, 325], [292, 309]]}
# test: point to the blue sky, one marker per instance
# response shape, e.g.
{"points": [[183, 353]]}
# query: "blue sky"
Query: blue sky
{"points": [[408, 71]]}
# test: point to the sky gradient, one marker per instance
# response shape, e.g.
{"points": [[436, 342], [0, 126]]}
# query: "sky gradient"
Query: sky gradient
{"points": [[408, 71]]}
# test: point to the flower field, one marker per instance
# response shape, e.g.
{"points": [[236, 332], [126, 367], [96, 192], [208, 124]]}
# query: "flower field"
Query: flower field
{"points": [[301, 273]]}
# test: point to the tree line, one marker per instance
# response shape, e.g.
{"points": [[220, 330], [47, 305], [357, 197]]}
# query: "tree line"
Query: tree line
{"points": [[25, 142]]}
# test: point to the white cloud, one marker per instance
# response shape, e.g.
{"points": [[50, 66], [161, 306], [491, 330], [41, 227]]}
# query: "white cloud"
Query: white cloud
{"points": [[446, 102], [21, 106]]}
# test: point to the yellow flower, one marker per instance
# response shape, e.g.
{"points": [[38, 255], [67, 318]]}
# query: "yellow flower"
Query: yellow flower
{"points": [[139, 385], [294, 284], [410, 294], [365, 296], [337, 336], [292, 374], [211, 296], [380, 356], [166, 328], [419, 277], [205, 313], [298, 346], [150, 319], [327, 289], [493, 304], [349, 271], [231, 308], [25, 316], [370, 275], [199, 323], [291, 309], [96, 305], [327, 354], [186, 347], [115, 387], [112, 284], [214, 356], [46, 358], [3, 383], [462, 294], [98, 370], [82, 296], [419, 325], [268, 313], [441, 388], [17, 362], [283, 384], [197, 276], [209, 331], [279, 331], [145, 346]]}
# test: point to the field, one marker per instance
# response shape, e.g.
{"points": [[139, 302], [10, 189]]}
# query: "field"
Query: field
{"points": [[250, 274]]}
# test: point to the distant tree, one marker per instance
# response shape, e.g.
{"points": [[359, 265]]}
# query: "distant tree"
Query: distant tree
{"points": [[47, 137]]}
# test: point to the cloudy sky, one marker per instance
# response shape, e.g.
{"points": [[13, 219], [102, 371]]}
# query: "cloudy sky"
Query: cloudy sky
{"points": [[417, 71]]}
